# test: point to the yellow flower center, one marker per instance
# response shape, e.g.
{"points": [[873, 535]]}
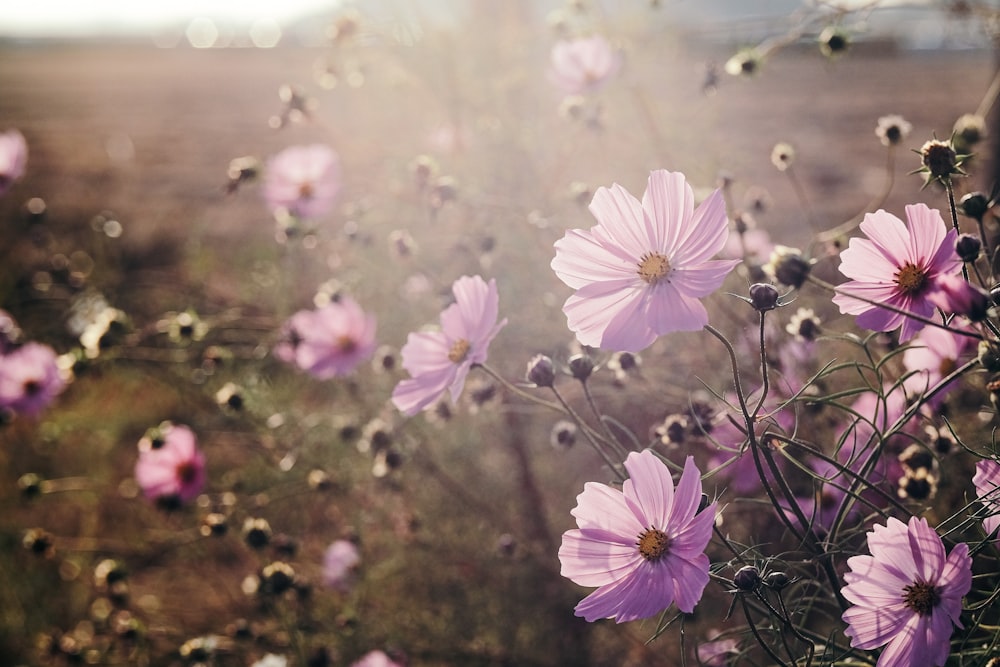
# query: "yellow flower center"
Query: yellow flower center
{"points": [[921, 597], [653, 267], [911, 279], [459, 350], [653, 544]]}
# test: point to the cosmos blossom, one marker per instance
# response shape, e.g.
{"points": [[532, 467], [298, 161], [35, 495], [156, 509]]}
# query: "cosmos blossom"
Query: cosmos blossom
{"points": [[439, 361], [987, 483], [907, 594], [13, 158], [29, 378], [339, 562], [640, 272], [375, 659], [583, 64], [170, 465], [330, 341], [302, 181], [643, 546], [932, 355], [897, 265]]}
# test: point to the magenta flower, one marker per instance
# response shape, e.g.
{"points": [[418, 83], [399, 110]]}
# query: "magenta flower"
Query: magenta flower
{"points": [[640, 272], [170, 466], [375, 659], [987, 483], [906, 594], [932, 355], [339, 563], [330, 341], [954, 294], [583, 64], [439, 361], [29, 378], [302, 181], [897, 265], [13, 158], [643, 546]]}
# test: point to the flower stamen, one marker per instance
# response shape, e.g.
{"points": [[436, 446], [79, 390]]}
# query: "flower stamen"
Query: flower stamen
{"points": [[653, 267], [922, 598], [459, 350], [911, 279], [653, 543]]}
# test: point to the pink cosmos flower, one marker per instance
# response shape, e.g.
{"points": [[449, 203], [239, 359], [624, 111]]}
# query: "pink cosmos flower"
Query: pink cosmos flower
{"points": [[29, 378], [643, 546], [439, 361], [640, 271], [933, 354], [954, 294], [906, 594], [897, 265], [13, 158], [583, 64], [302, 181], [987, 483], [339, 562], [330, 341], [376, 659], [170, 466]]}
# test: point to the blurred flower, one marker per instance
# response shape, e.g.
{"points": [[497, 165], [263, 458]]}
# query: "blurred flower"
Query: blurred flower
{"points": [[906, 594], [717, 653], [898, 266], [302, 181], [271, 660], [106, 329], [29, 378], [643, 546], [583, 64], [932, 355], [330, 341], [13, 158], [241, 170], [339, 564], [833, 41], [733, 450], [987, 483], [744, 63], [639, 273], [804, 325], [782, 156], [184, 327], [968, 131], [563, 434], [953, 294], [918, 485], [257, 532], [10, 332], [892, 129], [439, 361], [749, 242], [170, 466], [376, 659]]}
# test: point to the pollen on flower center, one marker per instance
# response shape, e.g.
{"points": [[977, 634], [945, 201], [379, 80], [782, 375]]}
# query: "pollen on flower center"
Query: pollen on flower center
{"points": [[653, 544], [653, 267], [459, 350], [306, 190], [922, 598], [911, 279]]}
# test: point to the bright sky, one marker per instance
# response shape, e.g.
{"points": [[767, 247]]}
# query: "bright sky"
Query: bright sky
{"points": [[82, 17]]}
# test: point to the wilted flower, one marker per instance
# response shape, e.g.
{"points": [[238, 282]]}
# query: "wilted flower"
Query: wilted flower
{"points": [[340, 561], [897, 265], [30, 378], [302, 181], [583, 64], [892, 129], [13, 158], [987, 483], [640, 272], [907, 594], [330, 341], [439, 361], [643, 546], [170, 466]]}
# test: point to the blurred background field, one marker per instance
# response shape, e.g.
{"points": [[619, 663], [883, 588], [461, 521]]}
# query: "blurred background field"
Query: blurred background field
{"points": [[459, 536]]}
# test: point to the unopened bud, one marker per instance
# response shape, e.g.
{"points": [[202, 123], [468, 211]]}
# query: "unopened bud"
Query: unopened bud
{"points": [[541, 372], [974, 205], [581, 366], [968, 247], [747, 578], [764, 297]]}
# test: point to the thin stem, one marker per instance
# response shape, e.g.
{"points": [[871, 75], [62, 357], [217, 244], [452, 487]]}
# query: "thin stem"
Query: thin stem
{"points": [[615, 466]]}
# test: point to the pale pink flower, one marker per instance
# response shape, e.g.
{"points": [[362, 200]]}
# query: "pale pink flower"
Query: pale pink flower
{"points": [[907, 594], [897, 265], [643, 546], [170, 465], [13, 158], [583, 64], [29, 378], [640, 272], [932, 355], [439, 361], [376, 659], [954, 294], [330, 341], [340, 561], [302, 181], [987, 483]]}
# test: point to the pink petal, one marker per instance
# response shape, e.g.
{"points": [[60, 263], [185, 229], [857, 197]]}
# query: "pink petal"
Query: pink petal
{"points": [[580, 260], [590, 311], [596, 558], [673, 311], [927, 233], [643, 594], [704, 279], [687, 497], [690, 579], [649, 490], [426, 352], [870, 628], [601, 507], [890, 236], [622, 221], [668, 203], [702, 235], [421, 391]]}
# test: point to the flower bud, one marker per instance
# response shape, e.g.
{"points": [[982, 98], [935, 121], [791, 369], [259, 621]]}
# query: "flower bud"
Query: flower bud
{"points": [[968, 247], [892, 129], [563, 435], [257, 532], [30, 485], [939, 159], [581, 366], [952, 294], [541, 372], [777, 580], [747, 578], [833, 41], [974, 205], [764, 297]]}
